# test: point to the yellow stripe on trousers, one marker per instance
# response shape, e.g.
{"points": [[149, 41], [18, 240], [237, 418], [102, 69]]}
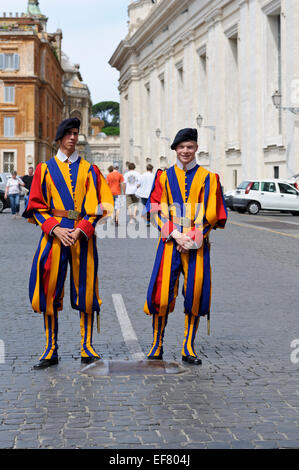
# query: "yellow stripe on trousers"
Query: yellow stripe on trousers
{"points": [[159, 323], [86, 327], [51, 329], [191, 326]]}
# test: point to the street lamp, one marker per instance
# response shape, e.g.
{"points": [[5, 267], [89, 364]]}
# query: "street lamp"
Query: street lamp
{"points": [[199, 121], [158, 135], [276, 98], [131, 141]]}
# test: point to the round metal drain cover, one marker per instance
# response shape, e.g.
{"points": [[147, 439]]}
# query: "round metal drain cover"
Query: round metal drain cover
{"points": [[106, 368]]}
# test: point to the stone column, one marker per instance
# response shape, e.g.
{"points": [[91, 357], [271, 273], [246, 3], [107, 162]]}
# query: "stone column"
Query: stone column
{"points": [[134, 122], [154, 117], [216, 92], [251, 89], [124, 128], [190, 81], [170, 123], [290, 21]]}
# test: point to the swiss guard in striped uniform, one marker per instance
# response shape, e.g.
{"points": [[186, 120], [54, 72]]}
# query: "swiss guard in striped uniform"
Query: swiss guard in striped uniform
{"points": [[67, 198], [186, 203]]}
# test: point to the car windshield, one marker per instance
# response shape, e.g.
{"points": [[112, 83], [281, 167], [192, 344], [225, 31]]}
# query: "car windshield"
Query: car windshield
{"points": [[243, 185]]}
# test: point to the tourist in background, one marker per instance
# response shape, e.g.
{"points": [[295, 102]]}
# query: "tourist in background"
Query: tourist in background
{"points": [[27, 179], [145, 187], [115, 180], [12, 192], [130, 185]]}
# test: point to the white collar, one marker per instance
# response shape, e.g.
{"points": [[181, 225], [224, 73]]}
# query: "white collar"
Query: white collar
{"points": [[62, 157], [189, 165]]}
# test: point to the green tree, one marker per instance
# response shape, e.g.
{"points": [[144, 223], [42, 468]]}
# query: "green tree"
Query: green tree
{"points": [[108, 111], [111, 130]]}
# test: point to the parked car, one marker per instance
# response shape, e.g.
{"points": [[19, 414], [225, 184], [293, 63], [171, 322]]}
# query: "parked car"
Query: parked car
{"points": [[295, 180], [256, 195], [4, 203], [3, 180]]}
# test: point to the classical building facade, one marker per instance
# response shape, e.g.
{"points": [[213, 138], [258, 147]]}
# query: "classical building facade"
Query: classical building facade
{"points": [[39, 86], [31, 100], [215, 65]]}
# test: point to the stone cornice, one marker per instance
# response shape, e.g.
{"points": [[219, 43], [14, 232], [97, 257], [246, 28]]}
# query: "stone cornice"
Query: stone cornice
{"points": [[232, 31], [273, 6], [210, 13], [163, 14], [213, 17]]}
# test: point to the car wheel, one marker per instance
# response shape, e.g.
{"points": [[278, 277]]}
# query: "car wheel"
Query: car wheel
{"points": [[295, 212], [2, 205], [253, 208]]}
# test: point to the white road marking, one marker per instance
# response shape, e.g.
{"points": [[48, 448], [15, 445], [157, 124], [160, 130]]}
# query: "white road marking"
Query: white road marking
{"points": [[273, 219], [127, 328], [263, 228]]}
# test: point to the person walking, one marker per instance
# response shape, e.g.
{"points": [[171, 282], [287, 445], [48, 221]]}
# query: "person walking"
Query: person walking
{"points": [[130, 185], [115, 180], [68, 197], [145, 187], [186, 203], [12, 192], [27, 179]]}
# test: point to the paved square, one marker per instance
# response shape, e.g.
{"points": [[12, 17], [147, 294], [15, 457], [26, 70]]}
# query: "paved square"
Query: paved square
{"points": [[245, 395]]}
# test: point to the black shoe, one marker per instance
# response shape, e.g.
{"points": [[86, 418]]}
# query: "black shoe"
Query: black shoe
{"points": [[160, 357], [44, 363], [89, 359], [192, 360]]}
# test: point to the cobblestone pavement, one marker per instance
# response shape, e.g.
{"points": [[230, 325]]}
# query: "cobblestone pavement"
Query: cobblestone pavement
{"points": [[246, 393]]}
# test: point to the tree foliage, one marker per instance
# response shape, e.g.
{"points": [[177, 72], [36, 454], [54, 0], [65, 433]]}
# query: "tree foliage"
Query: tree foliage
{"points": [[108, 111], [111, 130]]}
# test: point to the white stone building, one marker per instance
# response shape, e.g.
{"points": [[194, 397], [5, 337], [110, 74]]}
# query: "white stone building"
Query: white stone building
{"points": [[223, 60]]}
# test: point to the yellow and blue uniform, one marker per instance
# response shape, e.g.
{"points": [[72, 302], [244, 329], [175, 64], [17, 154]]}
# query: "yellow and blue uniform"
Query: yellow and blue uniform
{"points": [[59, 186], [192, 202]]}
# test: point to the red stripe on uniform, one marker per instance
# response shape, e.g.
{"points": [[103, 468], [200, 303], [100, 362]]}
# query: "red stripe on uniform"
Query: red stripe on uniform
{"points": [[221, 212], [36, 197], [46, 273], [156, 296], [98, 173]]}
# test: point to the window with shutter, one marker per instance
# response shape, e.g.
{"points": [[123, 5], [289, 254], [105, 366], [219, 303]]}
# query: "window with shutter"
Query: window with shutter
{"points": [[16, 61], [8, 162], [9, 127], [9, 61], [9, 94]]}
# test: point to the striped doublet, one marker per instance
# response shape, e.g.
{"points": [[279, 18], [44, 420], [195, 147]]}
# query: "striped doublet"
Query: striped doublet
{"points": [[80, 187], [176, 197]]}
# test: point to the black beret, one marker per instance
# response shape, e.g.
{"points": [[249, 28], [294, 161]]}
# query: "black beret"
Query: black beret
{"points": [[184, 135], [70, 123]]}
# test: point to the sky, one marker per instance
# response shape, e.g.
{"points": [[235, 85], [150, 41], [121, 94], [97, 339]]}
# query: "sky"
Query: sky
{"points": [[92, 30]]}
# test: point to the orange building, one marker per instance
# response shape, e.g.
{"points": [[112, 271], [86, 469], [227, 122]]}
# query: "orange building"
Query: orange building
{"points": [[31, 95]]}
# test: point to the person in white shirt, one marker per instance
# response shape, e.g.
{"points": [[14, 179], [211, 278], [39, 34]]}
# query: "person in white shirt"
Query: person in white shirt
{"points": [[12, 192], [131, 183], [145, 187]]}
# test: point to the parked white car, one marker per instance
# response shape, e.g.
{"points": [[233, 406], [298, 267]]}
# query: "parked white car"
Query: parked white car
{"points": [[266, 194]]}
